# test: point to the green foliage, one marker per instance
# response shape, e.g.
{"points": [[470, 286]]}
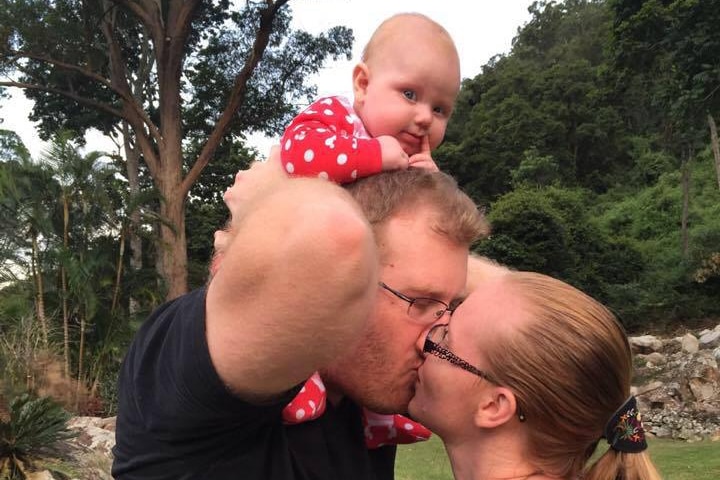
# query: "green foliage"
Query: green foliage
{"points": [[672, 46], [536, 170], [35, 427], [552, 230], [550, 96], [649, 220], [279, 82], [206, 211], [12, 147]]}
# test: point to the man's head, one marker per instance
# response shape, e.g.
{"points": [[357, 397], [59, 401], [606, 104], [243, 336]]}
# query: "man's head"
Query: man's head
{"points": [[423, 227], [408, 80]]}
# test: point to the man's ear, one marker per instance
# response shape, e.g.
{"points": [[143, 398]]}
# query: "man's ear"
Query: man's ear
{"points": [[361, 78], [495, 408]]}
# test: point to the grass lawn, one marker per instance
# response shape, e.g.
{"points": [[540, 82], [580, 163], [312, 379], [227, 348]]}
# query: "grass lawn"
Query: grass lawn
{"points": [[676, 460]]}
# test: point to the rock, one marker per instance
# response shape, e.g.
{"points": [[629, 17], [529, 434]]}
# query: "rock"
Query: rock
{"points": [[644, 389], [710, 339], [646, 344], [655, 358], [689, 434], [690, 343], [93, 437], [42, 475], [661, 432], [702, 390]]}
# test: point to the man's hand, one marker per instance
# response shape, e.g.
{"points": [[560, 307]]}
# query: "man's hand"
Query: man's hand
{"points": [[423, 159], [251, 183], [393, 155]]}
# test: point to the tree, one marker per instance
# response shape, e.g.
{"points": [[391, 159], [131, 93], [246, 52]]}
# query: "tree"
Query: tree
{"points": [[675, 41], [27, 206], [86, 210], [548, 96], [206, 211], [178, 72]]}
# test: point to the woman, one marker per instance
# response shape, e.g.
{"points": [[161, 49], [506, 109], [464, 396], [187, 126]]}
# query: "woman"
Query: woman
{"points": [[530, 374]]}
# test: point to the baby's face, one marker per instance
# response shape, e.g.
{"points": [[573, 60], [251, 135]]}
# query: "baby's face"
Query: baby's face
{"points": [[409, 90]]}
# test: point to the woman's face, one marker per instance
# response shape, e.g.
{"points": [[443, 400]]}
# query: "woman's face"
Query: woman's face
{"points": [[447, 395]]}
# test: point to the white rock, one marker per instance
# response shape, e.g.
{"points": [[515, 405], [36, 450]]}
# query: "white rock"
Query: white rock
{"points": [[710, 339], [646, 343], [690, 343]]}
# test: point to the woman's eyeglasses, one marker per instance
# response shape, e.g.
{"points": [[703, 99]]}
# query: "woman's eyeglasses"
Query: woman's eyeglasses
{"points": [[435, 337]]}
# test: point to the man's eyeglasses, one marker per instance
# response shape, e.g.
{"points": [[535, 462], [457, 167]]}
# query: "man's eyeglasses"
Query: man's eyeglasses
{"points": [[427, 310], [435, 337]]}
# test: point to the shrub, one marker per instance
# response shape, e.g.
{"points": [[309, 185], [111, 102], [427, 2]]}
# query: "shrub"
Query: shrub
{"points": [[35, 427]]}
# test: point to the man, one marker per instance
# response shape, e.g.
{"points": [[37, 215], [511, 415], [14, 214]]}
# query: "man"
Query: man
{"points": [[312, 278]]}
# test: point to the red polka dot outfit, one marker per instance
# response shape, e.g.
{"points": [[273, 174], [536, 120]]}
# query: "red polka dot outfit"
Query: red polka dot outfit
{"points": [[329, 140], [379, 429]]}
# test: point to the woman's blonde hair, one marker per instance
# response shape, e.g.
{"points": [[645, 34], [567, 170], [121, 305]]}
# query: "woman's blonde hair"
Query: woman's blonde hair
{"points": [[570, 367]]}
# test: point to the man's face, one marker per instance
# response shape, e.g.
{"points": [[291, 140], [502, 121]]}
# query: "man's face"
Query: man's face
{"points": [[380, 371]]}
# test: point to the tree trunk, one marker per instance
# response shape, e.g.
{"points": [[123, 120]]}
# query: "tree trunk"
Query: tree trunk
{"points": [[40, 290], [81, 352], [715, 147], [167, 25], [118, 273], [63, 276], [686, 174], [173, 251], [132, 166]]}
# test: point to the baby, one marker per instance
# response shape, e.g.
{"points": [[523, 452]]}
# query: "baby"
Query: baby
{"points": [[404, 91]]}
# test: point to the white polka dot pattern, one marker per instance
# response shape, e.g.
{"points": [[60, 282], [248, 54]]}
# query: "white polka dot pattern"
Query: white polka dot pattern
{"points": [[328, 140], [380, 429]]}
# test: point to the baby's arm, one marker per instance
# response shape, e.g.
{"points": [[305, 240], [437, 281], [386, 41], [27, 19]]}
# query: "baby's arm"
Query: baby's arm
{"points": [[325, 140]]}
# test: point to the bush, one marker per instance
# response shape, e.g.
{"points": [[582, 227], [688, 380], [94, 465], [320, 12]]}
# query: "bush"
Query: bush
{"points": [[35, 427]]}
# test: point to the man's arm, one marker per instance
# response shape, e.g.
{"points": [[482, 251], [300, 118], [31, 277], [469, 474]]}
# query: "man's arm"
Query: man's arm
{"points": [[296, 285]]}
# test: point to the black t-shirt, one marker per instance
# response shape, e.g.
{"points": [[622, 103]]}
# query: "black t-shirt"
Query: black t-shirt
{"points": [[176, 420]]}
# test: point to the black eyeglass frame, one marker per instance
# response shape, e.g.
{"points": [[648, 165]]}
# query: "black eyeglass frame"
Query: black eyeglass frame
{"points": [[437, 350], [443, 353], [412, 300]]}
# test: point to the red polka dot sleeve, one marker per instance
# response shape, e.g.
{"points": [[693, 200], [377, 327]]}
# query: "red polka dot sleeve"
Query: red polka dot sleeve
{"points": [[328, 140]]}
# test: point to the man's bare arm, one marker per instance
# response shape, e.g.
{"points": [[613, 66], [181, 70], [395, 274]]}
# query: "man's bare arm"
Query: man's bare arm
{"points": [[295, 287]]}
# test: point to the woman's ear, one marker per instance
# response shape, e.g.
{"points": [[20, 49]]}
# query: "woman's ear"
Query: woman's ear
{"points": [[361, 79], [495, 408]]}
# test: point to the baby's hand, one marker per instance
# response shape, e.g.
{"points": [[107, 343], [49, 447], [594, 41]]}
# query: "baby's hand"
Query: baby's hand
{"points": [[393, 155], [423, 159]]}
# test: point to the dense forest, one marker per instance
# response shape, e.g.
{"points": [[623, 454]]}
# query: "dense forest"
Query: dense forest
{"points": [[591, 145]]}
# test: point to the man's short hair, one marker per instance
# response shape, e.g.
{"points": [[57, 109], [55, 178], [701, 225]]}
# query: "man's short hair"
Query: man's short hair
{"points": [[387, 194]]}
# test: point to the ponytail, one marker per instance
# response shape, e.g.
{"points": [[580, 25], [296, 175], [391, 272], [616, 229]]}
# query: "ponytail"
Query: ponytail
{"points": [[614, 465], [626, 459]]}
